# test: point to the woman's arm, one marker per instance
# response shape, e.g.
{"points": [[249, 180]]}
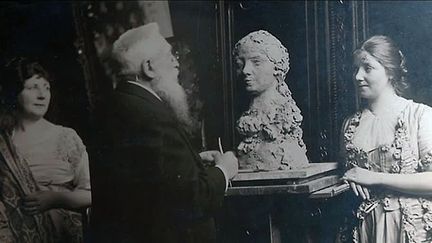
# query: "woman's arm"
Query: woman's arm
{"points": [[41, 201], [77, 199], [417, 184]]}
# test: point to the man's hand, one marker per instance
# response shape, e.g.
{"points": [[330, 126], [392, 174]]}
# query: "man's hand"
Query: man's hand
{"points": [[210, 156], [229, 163]]}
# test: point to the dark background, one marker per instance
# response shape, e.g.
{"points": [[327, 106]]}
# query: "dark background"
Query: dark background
{"points": [[47, 30], [286, 21], [409, 24]]}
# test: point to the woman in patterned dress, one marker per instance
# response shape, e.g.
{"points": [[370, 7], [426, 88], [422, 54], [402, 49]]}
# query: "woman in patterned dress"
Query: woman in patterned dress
{"points": [[44, 174], [388, 150]]}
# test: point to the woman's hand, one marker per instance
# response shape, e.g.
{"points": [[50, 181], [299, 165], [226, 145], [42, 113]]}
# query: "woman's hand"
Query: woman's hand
{"points": [[39, 202], [362, 176], [359, 179], [360, 190]]}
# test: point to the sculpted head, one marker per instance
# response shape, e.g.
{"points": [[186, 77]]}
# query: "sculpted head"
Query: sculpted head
{"points": [[261, 61]]}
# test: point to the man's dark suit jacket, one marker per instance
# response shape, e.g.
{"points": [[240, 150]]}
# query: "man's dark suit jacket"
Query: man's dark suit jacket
{"points": [[148, 183]]}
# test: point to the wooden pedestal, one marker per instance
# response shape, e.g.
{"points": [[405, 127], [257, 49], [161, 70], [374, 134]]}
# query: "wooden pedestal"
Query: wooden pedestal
{"points": [[274, 192], [305, 180]]}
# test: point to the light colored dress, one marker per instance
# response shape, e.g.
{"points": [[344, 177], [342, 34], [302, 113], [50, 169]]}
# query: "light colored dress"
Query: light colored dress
{"points": [[394, 139], [59, 162]]}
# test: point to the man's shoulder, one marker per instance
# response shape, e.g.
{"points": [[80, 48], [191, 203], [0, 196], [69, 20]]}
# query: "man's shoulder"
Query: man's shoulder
{"points": [[129, 106]]}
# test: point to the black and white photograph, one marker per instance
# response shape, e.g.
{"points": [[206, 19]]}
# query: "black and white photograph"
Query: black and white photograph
{"points": [[216, 121]]}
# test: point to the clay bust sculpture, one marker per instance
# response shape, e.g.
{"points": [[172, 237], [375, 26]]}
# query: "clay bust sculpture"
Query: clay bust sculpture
{"points": [[270, 128]]}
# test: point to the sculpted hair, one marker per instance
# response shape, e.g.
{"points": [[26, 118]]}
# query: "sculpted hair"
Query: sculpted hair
{"points": [[388, 54], [13, 77]]}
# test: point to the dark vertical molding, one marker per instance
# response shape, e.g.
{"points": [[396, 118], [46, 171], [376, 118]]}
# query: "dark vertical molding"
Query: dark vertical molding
{"points": [[327, 133], [87, 55], [359, 22], [355, 38], [360, 29], [313, 71], [316, 68], [330, 89], [366, 18], [225, 19], [317, 100], [316, 47], [331, 43], [230, 78], [354, 20], [323, 99], [307, 127], [341, 87]]}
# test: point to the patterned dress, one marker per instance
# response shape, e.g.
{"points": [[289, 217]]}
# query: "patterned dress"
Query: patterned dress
{"points": [[394, 139], [56, 161]]}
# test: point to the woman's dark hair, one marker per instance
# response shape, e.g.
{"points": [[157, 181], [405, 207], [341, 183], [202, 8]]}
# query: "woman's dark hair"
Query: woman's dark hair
{"points": [[388, 54], [13, 76]]}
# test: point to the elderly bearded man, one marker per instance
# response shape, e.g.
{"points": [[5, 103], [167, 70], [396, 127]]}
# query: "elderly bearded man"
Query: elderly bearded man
{"points": [[149, 183]]}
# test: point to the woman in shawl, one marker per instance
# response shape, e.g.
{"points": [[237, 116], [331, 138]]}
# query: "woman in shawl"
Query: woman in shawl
{"points": [[44, 174]]}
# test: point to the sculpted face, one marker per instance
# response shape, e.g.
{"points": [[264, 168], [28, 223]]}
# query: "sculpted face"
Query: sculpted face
{"points": [[255, 69], [261, 61]]}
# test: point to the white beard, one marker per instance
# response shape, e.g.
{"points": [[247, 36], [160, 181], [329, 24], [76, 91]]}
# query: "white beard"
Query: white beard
{"points": [[173, 93]]}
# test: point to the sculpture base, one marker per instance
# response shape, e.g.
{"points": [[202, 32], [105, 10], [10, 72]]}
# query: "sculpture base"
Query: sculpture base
{"points": [[312, 178]]}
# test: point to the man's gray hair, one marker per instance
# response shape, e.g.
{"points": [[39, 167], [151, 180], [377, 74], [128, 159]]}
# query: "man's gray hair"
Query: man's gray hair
{"points": [[135, 46]]}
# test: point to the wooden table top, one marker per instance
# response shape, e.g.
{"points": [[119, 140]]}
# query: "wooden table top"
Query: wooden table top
{"points": [[306, 180]]}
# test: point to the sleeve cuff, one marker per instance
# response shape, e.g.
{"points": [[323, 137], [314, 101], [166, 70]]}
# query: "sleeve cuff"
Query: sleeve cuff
{"points": [[225, 175]]}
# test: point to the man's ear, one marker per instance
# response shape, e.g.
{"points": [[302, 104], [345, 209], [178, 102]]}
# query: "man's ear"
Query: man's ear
{"points": [[147, 69]]}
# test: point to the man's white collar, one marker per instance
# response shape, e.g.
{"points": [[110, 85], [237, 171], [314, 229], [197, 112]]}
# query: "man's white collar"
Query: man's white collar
{"points": [[147, 88]]}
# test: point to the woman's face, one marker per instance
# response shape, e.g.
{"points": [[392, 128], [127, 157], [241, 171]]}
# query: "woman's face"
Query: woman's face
{"points": [[371, 78], [35, 97]]}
